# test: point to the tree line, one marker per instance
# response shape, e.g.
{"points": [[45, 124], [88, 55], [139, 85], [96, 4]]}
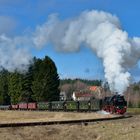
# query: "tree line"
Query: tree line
{"points": [[39, 83], [85, 81], [133, 95]]}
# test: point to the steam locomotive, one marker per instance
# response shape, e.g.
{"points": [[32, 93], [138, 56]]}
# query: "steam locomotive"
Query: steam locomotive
{"points": [[114, 104]]}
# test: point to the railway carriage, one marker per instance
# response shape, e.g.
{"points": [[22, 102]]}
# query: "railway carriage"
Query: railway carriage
{"points": [[95, 104], [71, 106], [43, 106], [113, 104], [23, 106], [57, 105], [84, 105], [15, 107]]}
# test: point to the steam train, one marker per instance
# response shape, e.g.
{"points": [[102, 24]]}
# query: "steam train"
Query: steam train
{"points": [[114, 104]]}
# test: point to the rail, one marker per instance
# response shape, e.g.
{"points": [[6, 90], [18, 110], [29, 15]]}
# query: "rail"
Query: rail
{"points": [[61, 122]]}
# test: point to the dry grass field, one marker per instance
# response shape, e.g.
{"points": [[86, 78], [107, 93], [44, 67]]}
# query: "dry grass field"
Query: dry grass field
{"points": [[37, 116], [124, 129]]}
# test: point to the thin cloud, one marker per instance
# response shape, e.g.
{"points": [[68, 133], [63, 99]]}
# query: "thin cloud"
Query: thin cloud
{"points": [[7, 24]]}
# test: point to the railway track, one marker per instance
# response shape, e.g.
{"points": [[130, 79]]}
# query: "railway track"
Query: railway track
{"points": [[84, 121]]}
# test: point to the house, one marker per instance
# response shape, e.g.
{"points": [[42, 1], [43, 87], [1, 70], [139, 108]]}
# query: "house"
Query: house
{"points": [[87, 94], [96, 90]]}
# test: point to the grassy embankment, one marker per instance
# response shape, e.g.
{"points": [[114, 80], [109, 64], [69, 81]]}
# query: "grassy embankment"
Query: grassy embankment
{"points": [[37, 116], [133, 110], [124, 129]]}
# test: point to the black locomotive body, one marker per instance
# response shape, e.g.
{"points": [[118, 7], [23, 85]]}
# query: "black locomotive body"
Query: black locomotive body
{"points": [[114, 104]]}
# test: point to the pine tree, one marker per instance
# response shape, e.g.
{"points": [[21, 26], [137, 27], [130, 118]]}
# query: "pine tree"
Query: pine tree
{"points": [[26, 94], [4, 97], [46, 80], [15, 87]]}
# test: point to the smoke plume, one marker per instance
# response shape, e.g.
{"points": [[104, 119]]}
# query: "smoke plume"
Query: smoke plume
{"points": [[98, 30], [13, 54], [101, 32]]}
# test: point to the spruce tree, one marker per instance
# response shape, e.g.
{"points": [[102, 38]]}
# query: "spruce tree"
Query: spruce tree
{"points": [[4, 97], [15, 87], [26, 94], [46, 80]]}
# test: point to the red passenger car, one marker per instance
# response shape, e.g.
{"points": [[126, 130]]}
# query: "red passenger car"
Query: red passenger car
{"points": [[15, 107], [23, 106], [32, 106]]}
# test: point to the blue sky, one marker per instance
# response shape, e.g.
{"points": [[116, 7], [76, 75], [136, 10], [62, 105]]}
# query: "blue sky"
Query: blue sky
{"points": [[21, 16]]}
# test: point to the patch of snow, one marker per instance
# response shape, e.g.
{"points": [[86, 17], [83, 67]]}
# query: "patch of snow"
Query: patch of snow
{"points": [[103, 112]]}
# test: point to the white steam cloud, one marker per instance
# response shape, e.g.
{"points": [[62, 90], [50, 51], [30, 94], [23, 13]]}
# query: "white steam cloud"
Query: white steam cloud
{"points": [[98, 30], [13, 54], [101, 32]]}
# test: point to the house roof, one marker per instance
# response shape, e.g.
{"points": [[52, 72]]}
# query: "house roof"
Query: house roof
{"points": [[93, 88]]}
